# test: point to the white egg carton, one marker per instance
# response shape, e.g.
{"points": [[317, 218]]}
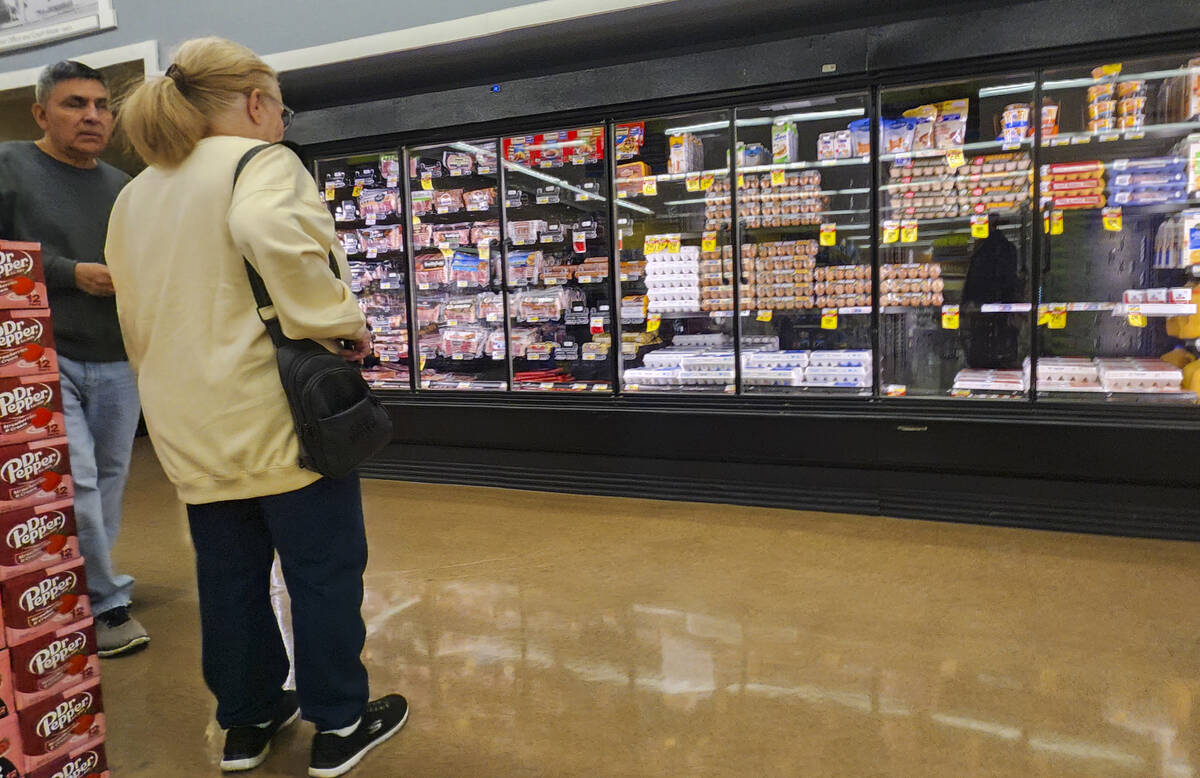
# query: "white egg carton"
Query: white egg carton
{"points": [[652, 376], [710, 361], [667, 281], [667, 357], [774, 359], [841, 358], [760, 343], [705, 377], [773, 376], [705, 339]]}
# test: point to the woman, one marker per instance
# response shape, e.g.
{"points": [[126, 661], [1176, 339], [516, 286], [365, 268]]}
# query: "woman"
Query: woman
{"points": [[215, 406]]}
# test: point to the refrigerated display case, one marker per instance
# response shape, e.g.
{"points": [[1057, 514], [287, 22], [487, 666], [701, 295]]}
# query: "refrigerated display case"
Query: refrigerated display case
{"points": [[363, 195], [1120, 203]]}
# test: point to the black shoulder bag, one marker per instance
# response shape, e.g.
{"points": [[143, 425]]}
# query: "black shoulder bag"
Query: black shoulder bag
{"points": [[338, 420]]}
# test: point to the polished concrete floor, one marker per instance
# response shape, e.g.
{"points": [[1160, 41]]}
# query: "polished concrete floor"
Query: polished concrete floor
{"points": [[541, 634]]}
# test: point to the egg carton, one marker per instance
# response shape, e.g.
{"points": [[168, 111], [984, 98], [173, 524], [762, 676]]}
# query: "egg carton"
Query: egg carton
{"points": [[705, 377], [652, 376], [672, 280], [719, 361], [708, 339], [773, 376], [841, 358], [775, 359]]}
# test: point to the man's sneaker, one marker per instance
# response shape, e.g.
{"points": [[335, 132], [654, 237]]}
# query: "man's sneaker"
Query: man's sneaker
{"points": [[334, 755], [119, 633], [247, 747]]}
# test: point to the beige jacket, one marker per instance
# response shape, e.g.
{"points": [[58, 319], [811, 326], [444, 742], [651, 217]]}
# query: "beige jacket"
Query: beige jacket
{"points": [[210, 389]]}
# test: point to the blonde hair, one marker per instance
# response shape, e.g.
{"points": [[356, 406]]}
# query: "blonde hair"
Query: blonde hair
{"points": [[167, 116]]}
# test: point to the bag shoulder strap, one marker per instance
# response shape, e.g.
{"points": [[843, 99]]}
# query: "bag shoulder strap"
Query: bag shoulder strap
{"points": [[262, 297]]}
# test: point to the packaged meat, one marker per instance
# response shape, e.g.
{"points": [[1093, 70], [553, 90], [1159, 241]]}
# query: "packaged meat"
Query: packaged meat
{"points": [[524, 267], [461, 310], [464, 342], [458, 163], [422, 235], [630, 177], [381, 240], [346, 211], [491, 307], [430, 310], [485, 231], [431, 270], [467, 270], [524, 233], [422, 202], [480, 199], [379, 204], [448, 201]]}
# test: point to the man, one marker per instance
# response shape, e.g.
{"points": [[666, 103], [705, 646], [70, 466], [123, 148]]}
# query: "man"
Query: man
{"points": [[56, 191]]}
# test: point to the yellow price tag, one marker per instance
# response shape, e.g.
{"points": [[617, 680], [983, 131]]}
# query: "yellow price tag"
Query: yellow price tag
{"points": [[422, 362], [708, 242], [741, 181], [1137, 320], [1043, 315], [650, 187], [330, 193], [1052, 222], [829, 318], [652, 322], [765, 315], [1112, 218], [447, 252], [357, 190], [416, 220], [955, 158], [891, 231], [485, 249], [1058, 317], [828, 234], [979, 226], [908, 231], [778, 178], [706, 181], [693, 182], [427, 182], [949, 317]]}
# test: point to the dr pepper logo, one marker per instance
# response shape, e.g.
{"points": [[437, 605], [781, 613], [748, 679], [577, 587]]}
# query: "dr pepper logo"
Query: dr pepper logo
{"points": [[29, 465], [18, 332], [16, 267], [64, 715], [47, 591], [23, 399], [79, 767], [35, 530], [59, 652]]}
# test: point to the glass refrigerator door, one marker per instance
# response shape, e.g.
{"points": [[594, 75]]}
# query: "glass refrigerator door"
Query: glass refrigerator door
{"points": [[804, 191], [1120, 181], [956, 238], [363, 194], [557, 262], [456, 267], [676, 252]]}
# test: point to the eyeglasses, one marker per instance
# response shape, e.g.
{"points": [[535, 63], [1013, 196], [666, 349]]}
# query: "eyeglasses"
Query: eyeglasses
{"points": [[287, 114]]}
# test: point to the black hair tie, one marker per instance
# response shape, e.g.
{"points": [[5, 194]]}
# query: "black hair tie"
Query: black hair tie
{"points": [[176, 75]]}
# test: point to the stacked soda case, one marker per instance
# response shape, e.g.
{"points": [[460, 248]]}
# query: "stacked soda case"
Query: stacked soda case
{"points": [[51, 709]]}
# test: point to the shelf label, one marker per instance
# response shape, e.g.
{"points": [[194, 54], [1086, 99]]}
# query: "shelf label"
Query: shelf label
{"points": [[706, 181], [1057, 317], [596, 326], [357, 191], [650, 187], [908, 231], [485, 249], [979, 226], [895, 390], [1052, 222], [1043, 315], [652, 322], [427, 182], [741, 181], [1109, 137], [447, 252], [949, 317], [891, 231], [708, 242], [579, 241], [955, 159], [692, 182], [828, 235], [372, 253], [463, 385], [424, 287], [778, 178], [765, 315], [622, 194], [330, 193], [1135, 135], [1079, 140], [1137, 320], [1112, 218], [829, 319]]}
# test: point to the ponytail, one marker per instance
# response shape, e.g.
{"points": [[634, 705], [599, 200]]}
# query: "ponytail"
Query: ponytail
{"points": [[167, 116]]}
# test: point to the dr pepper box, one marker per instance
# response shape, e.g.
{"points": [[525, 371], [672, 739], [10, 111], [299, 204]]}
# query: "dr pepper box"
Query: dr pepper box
{"points": [[30, 408], [27, 343], [34, 473], [59, 724], [12, 760], [49, 664], [22, 284], [85, 761], [35, 538], [39, 603]]}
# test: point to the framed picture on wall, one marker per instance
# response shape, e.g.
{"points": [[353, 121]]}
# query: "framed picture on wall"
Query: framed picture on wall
{"points": [[25, 23]]}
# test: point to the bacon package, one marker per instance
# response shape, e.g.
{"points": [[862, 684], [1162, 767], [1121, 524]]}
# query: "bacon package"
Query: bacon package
{"points": [[524, 267], [467, 270], [541, 305], [422, 235], [462, 310], [34, 473], [30, 408], [60, 723], [432, 270], [430, 310], [464, 342], [382, 240], [35, 538], [448, 200], [491, 306], [27, 343], [422, 202], [458, 163], [54, 662], [22, 284], [457, 234], [480, 199], [44, 601], [378, 203], [83, 761], [481, 231], [350, 241]]}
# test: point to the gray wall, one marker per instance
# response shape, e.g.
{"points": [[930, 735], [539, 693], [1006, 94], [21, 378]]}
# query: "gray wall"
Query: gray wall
{"points": [[267, 26]]}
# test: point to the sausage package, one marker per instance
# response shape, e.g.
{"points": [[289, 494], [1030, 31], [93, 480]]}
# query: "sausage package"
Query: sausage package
{"points": [[53, 663], [27, 343], [37, 537], [34, 473], [45, 601], [60, 724], [22, 284]]}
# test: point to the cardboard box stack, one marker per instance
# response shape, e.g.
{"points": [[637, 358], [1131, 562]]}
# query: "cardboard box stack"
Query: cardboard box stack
{"points": [[51, 713]]}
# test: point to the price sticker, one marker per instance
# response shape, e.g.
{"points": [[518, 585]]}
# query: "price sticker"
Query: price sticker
{"points": [[631, 387], [1137, 135], [1137, 320], [357, 190], [891, 231], [372, 253], [829, 317], [741, 181], [765, 315], [596, 325], [579, 241], [949, 317], [1058, 317], [955, 158], [706, 181], [427, 182], [1043, 315], [908, 231], [1079, 140], [463, 385], [370, 221], [650, 187], [579, 387], [1052, 222], [652, 322], [463, 284], [416, 220], [547, 386], [485, 249], [828, 235], [622, 194], [692, 182], [330, 193], [424, 287], [1112, 218], [422, 362], [778, 178], [447, 252], [1109, 137], [708, 242], [979, 226]]}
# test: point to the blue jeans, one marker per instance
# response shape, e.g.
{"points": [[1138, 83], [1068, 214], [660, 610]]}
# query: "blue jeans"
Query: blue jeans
{"points": [[100, 403]]}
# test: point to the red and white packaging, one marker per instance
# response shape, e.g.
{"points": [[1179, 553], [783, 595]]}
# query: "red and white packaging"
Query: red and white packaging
{"points": [[8, 702], [53, 663], [34, 473], [43, 602], [27, 343], [1181, 295], [31, 408], [86, 761], [60, 724], [35, 538], [22, 284], [12, 759]]}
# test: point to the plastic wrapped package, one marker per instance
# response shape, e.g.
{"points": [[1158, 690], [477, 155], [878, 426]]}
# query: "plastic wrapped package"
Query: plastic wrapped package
{"points": [[350, 241], [689, 377], [382, 240], [972, 379], [467, 270], [480, 199], [458, 163], [1139, 375], [521, 338], [462, 310], [378, 204], [448, 201], [524, 267], [458, 234], [422, 203], [645, 376], [431, 270], [713, 360], [464, 342], [773, 376], [547, 305], [430, 311], [485, 231]]}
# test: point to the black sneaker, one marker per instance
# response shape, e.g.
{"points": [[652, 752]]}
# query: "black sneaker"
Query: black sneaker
{"points": [[247, 747], [333, 755], [118, 633]]}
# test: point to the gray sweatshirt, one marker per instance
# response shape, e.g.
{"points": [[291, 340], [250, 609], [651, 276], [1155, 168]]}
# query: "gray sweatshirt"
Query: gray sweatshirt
{"points": [[66, 209]]}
